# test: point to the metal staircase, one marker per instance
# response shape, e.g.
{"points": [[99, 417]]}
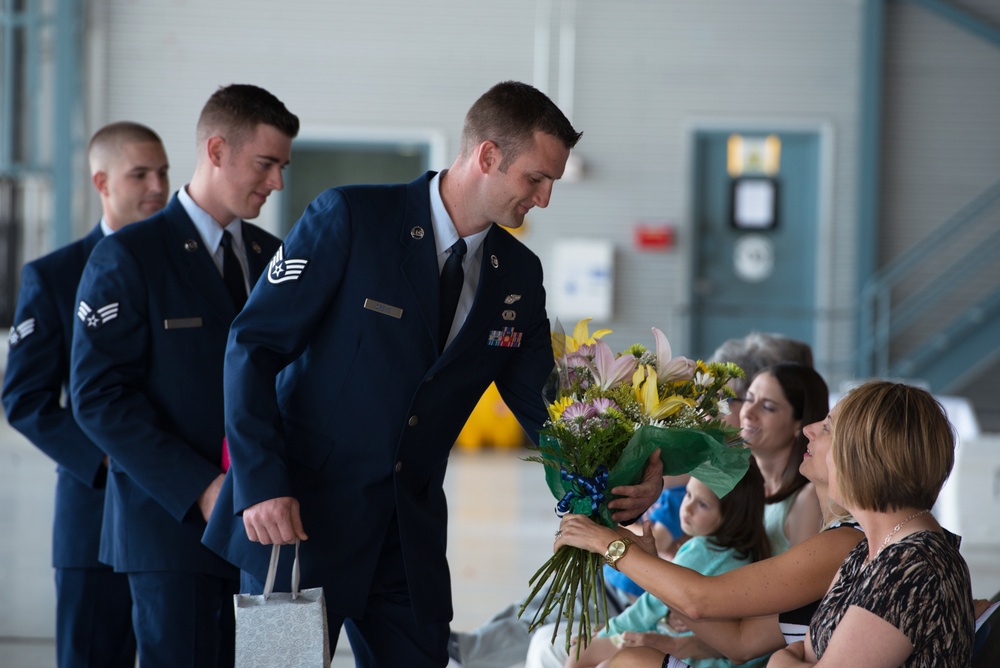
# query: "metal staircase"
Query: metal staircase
{"points": [[933, 314]]}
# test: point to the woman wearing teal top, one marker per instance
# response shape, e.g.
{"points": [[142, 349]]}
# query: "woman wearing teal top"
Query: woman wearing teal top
{"points": [[780, 401]]}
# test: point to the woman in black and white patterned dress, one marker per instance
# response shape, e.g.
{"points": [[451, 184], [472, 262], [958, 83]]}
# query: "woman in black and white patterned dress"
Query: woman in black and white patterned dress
{"points": [[903, 596]]}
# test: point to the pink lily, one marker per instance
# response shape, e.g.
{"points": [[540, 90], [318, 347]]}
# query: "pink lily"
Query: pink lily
{"points": [[669, 369], [609, 372]]}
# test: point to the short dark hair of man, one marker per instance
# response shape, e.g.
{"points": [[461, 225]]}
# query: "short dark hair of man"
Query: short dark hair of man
{"points": [[509, 115], [234, 112], [108, 141]]}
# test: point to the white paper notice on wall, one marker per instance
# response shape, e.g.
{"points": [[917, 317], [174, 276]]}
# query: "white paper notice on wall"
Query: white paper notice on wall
{"points": [[582, 279]]}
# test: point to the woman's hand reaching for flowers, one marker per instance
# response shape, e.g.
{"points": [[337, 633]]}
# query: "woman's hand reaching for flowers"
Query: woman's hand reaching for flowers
{"points": [[582, 532]]}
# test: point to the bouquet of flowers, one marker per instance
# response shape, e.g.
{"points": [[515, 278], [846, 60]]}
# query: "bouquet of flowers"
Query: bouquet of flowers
{"points": [[611, 412]]}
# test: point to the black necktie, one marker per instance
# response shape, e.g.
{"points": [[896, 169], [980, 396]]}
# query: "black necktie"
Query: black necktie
{"points": [[232, 272], [452, 277]]}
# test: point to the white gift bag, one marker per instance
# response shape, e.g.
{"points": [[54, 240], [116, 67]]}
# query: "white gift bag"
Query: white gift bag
{"points": [[282, 630]]}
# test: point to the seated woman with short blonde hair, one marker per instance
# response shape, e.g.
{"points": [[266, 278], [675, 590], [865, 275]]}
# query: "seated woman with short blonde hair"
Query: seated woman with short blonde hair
{"points": [[903, 596]]}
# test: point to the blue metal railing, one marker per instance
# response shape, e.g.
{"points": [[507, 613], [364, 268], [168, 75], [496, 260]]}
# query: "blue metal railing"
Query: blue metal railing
{"points": [[882, 321]]}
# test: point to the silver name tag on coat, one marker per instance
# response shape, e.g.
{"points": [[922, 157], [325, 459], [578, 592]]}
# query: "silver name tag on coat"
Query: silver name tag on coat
{"points": [[181, 323], [384, 309]]}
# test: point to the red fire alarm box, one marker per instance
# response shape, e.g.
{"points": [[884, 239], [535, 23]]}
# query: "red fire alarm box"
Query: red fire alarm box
{"points": [[652, 236]]}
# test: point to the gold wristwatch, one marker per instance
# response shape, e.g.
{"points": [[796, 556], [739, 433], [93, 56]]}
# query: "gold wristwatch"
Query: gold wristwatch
{"points": [[616, 550]]}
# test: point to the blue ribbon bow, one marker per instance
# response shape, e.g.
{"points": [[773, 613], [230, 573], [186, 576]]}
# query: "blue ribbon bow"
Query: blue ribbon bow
{"points": [[591, 487]]}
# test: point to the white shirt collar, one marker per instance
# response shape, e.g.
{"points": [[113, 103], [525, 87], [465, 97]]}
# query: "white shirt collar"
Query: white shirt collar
{"points": [[208, 228], [445, 234], [105, 228]]}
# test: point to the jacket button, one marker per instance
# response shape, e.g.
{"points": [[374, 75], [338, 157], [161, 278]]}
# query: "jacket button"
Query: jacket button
{"points": [[399, 466], [412, 421]]}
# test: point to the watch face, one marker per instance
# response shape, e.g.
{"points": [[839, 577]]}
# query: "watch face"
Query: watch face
{"points": [[616, 548]]}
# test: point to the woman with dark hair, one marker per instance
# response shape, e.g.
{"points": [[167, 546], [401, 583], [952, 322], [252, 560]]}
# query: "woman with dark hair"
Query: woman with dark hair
{"points": [[753, 353], [780, 401], [904, 597]]}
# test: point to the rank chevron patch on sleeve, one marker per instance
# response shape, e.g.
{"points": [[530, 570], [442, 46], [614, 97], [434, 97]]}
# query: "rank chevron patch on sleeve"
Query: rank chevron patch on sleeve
{"points": [[96, 319], [281, 270], [18, 333]]}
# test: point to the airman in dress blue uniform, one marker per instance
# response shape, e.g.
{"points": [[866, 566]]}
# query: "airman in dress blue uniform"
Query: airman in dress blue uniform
{"points": [[350, 373], [129, 171], [154, 307]]}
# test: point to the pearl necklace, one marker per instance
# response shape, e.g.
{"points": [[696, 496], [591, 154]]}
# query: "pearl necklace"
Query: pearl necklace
{"points": [[895, 530]]}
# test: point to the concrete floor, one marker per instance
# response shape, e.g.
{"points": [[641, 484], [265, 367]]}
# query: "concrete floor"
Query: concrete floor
{"points": [[500, 527]]}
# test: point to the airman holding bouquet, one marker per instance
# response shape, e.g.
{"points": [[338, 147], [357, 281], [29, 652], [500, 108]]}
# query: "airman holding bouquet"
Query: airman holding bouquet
{"points": [[355, 364]]}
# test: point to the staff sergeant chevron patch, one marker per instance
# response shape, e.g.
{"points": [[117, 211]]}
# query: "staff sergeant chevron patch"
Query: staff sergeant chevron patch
{"points": [[281, 270]]}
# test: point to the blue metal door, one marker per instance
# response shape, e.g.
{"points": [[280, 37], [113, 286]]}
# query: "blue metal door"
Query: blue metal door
{"points": [[760, 275]]}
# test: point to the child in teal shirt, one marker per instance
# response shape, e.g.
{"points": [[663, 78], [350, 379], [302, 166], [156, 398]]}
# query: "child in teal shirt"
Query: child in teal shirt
{"points": [[726, 534]]}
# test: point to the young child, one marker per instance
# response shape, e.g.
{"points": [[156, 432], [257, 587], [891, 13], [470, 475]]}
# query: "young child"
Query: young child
{"points": [[725, 534]]}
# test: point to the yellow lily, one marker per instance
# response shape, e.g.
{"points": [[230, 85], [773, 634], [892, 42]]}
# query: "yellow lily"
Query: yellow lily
{"points": [[563, 344], [644, 383]]}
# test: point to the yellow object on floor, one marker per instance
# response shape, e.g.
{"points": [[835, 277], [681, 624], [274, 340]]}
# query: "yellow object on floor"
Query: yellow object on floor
{"points": [[491, 424]]}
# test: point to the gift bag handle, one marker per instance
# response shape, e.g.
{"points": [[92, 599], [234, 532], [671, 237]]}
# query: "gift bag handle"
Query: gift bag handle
{"points": [[272, 570]]}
